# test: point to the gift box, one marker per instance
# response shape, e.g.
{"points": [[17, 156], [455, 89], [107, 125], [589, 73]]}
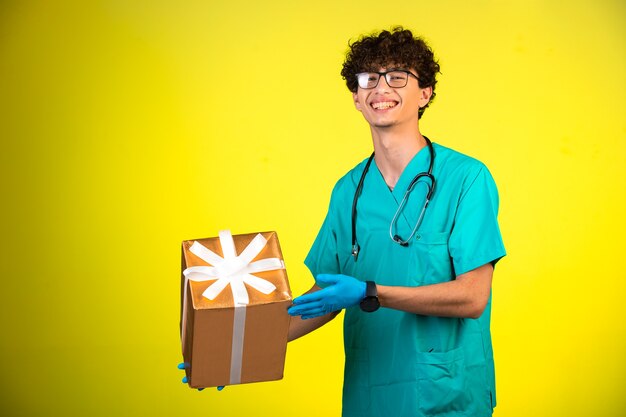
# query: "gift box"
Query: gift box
{"points": [[234, 300]]}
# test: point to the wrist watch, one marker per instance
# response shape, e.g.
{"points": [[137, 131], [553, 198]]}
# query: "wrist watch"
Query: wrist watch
{"points": [[370, 303]]}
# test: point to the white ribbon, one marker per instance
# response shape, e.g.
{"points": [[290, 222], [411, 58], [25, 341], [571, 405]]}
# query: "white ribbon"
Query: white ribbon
{"points": [[234, 270]]}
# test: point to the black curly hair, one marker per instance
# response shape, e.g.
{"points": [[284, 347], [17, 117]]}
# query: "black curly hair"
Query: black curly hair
{"points": [[397, 47]]}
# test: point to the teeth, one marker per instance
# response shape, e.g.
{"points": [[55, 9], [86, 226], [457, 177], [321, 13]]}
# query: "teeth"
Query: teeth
{"points": [[384, 105]]}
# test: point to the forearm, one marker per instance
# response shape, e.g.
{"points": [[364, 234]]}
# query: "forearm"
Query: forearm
{"points": [[299, 327], [466, 296]]}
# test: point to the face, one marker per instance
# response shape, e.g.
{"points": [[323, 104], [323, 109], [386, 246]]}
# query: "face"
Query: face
{"points": [[385, 107]]}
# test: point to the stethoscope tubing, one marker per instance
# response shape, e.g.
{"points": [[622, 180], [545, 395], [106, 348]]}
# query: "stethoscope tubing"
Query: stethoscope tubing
{"points": [[395, 238]]}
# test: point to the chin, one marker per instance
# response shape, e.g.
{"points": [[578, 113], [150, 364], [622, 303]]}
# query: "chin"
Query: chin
{"points": [[383, 125]]}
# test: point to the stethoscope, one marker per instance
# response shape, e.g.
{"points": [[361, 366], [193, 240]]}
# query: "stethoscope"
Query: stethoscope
{"points": [[395, 237]]}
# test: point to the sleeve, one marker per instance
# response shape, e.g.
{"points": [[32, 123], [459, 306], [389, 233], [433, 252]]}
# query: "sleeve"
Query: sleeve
{"points": [[322, 257], [475, 238]]}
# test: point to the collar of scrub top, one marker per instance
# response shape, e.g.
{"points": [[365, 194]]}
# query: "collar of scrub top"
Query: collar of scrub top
{"points": [[396, 238]]}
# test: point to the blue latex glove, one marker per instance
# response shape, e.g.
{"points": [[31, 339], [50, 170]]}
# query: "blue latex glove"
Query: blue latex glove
{"points": [[182, 366], [338, 292]]}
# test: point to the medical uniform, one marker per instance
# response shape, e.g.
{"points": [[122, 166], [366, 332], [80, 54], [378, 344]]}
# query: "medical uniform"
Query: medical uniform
{"points": [[397, 363]]}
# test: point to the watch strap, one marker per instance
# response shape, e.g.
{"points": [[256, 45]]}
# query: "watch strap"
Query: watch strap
{"points": [[370, 289]]}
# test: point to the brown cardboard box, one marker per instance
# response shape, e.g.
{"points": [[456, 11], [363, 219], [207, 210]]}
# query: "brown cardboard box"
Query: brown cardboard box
{"points": [[220, 347]]}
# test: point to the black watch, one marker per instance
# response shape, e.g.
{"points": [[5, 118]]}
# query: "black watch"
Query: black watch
{"points": [[370, 303]]}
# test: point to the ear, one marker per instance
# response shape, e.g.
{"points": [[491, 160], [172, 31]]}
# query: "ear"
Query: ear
{"points": [[425, 95], [355, 97]]}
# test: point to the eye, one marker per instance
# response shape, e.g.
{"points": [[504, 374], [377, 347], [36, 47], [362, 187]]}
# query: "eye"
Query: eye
{"points": [[366, 77], [397, 75]]}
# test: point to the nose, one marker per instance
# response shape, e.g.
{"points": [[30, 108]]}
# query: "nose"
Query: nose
{"points": [[382, 84]]}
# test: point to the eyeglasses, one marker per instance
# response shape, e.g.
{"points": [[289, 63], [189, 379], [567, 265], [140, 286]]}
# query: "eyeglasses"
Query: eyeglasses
{"points": [[396, 78]]}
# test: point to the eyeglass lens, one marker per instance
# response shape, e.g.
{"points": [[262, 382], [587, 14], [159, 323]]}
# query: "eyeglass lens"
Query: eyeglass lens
{"points": [[395, 79]]}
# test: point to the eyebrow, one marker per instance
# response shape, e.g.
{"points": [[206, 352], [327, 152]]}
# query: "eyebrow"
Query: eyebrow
{"points": [[387, 70]]}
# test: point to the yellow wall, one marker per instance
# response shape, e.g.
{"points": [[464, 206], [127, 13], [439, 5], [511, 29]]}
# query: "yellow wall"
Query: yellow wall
{"points": [[128, 126]]}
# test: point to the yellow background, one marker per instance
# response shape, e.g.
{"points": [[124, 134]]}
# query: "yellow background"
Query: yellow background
{"points": [[129, 126]]}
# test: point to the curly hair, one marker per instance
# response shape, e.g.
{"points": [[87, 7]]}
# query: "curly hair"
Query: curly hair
{"points": [[398, 48]]}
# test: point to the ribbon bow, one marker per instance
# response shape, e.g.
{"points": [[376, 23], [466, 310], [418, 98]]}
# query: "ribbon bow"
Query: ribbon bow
{"points": [[232, 269]]}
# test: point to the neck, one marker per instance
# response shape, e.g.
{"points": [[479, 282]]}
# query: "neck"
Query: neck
{"points": [[394, 150]]}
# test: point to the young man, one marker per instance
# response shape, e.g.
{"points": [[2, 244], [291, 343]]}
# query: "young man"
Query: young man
{"points": [[408, 249]]}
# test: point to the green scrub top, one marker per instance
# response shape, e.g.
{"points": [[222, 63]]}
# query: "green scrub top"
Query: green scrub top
{"points": [[397, 363]]}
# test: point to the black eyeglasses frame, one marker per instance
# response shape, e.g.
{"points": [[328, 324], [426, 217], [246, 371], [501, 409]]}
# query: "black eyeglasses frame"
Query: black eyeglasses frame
{"points": [[384, 74]]}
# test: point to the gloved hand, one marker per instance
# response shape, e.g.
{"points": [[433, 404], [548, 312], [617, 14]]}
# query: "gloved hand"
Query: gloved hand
{"points": [[182, 366], [338, 292]]}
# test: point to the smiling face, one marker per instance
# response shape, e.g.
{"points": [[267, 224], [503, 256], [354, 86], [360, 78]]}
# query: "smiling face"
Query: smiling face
{"points": [[386, 107]]}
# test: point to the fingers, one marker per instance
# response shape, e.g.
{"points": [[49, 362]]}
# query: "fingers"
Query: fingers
{"points": [[300, 309], [324, 280], [310, 297], [182, 366], [310, 310]]}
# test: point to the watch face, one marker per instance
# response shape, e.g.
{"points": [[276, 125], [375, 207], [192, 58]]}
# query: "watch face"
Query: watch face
{"points": [[370, 304]]}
